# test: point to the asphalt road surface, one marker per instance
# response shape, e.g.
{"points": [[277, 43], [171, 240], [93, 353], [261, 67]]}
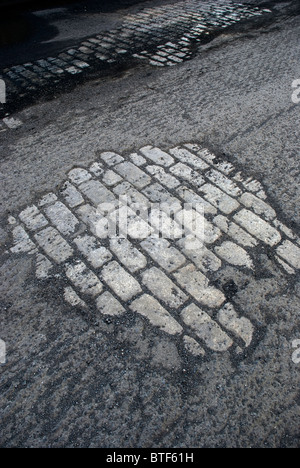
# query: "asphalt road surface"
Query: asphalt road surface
{"points": [[149, 340]]}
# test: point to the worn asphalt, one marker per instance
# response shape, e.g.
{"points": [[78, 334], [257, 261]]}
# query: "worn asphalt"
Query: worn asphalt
{"points": [[74, 378]]}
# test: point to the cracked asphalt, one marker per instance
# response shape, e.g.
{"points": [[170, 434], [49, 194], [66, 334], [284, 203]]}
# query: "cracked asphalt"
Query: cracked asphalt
{"points": [[80, 375]]}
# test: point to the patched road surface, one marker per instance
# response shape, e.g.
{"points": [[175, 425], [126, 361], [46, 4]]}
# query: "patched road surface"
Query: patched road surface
{"points": [[153, 336]]}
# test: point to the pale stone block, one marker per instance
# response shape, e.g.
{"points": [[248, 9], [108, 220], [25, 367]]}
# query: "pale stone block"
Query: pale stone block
{"points": [[290, 253], [157, 156], [95, 254], [121, 282], [192, 346], [234, 254], [163, 288], [62, 218], [84, 279], [79, 175], [219, 199], [184, 172], [128, 254], [197, 285], [71, 195], [258, 206], [224, 183], [33, 218], [54, 245], [151, 309], [188, 158], [108, 305], [133, 174], [258, 227], [241, 327], [160, 250], [206, 329]]}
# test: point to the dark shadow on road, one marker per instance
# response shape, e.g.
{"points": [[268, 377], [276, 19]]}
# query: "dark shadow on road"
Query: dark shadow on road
{"points": [[33, 30], [88, 5], [21, 36]]}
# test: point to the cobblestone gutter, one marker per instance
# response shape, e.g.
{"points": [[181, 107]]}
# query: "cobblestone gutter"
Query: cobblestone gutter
{"points": [[162, 36]]}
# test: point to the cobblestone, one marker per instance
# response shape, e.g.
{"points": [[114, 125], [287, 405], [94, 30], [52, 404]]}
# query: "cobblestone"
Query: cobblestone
{"points": [[84, 279], [110, 178], [90, 216], [157, 156], [151, 309], [161, 35], [72, 298], [197, 285], [203, 258], [43, 267], [219, 199], [133, 196], [164, 178], [22, 242], [164, 226], [158, 194], [62, 218], [72, 197], [163, 288], [258, 206], [159, 250], [95, 253], [210, 158], [184, 172], [48, 199], [135, 226], [97, 169], [241, 327], [290, 253], [234, 254], [137, 159], [108, 305], [258, 227], [123, 284], [193, 346], [111, 159], [195, 223], [128, 254], [227, 185], [198, 202], [206, 329], [96, 192], [168, 257], [133, 174], [33, 218], [54, 245], [78, 176], [187, 157], [235, 232]]}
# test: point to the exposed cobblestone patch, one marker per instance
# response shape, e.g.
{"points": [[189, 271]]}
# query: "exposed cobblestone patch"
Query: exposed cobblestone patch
{"points": [[166, 279], [162, 36]]}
